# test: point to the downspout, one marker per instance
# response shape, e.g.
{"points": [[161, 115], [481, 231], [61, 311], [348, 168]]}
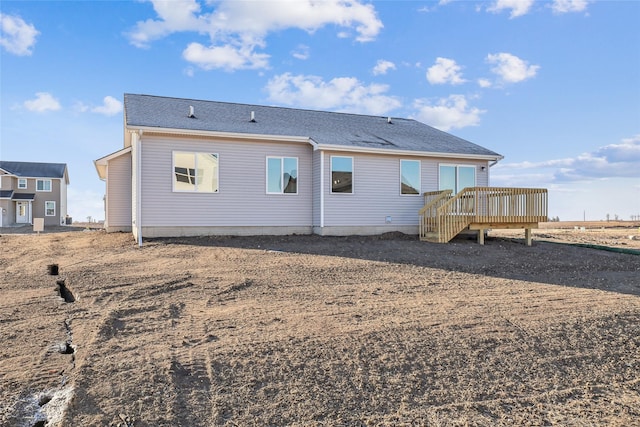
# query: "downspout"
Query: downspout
{"points": [[139, 188], [321, 191]]}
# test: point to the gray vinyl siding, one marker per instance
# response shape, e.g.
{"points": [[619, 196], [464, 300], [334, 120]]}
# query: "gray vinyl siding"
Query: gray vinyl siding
{"points": [[242, 199], [119, 192], [47, 196], [316, 188], [376, 190], [63, 210]]}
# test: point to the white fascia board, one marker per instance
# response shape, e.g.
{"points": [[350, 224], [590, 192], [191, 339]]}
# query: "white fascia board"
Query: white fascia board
{"points": [[105, 159], [214, 134], [327, 147]]}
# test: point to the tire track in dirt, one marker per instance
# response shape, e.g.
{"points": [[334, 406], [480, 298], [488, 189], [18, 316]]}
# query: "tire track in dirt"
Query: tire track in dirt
{"points": [[191, 378]]}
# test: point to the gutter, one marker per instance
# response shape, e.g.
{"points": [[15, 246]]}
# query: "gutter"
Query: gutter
{"points": [[367, 150]]}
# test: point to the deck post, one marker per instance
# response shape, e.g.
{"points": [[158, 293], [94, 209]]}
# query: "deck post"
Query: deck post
{"points": [[527, 236], [481, 237]]}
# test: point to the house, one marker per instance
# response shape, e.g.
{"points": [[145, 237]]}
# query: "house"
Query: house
{"points": [[194, 167], [33, 190]]}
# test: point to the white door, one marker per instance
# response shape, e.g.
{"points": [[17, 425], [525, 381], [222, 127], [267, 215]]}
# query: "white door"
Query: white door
{"points": [[22, 212]]}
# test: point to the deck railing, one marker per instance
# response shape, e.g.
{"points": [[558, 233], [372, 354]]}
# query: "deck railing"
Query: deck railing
{"points": [[428, 214], [445, 216]]}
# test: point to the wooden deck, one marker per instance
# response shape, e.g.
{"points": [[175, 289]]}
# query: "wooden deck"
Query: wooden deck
{"points": [[444, 215]]}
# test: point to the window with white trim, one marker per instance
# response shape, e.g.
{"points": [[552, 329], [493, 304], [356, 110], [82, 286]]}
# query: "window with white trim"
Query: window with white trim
{"points": [[282, 175], [195, 172], [410, 177], [22, 183], [50, 208], [456, 177], [342, 174], [43, 185]]}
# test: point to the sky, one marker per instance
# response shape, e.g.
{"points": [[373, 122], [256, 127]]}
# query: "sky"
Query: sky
{"points": [[553, 86]]}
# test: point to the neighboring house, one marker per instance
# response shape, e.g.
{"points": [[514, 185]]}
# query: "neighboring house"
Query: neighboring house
{"points": [[33, 190], [193, 167]]}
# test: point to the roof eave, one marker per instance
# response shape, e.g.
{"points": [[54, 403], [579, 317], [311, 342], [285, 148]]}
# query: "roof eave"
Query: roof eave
{"points": [[330, 147], [219, 134]]}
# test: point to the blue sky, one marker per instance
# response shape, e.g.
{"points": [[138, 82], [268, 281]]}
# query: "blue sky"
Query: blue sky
{"points": [[553, 86]]}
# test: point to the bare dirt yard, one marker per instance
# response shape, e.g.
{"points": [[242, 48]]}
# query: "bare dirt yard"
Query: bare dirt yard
{"points": [[320, 331]]}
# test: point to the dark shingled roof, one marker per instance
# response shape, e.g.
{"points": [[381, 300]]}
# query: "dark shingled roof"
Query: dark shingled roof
{"points": [[23, 196], [322, 127], [6, 194], [34, 170]]}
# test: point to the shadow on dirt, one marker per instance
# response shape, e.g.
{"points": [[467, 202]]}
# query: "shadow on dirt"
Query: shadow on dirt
{"points": [[543, 262]]}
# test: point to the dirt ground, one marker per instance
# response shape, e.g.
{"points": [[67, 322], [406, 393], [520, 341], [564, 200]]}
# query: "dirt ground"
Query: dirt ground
{"points": [[320, 331]]}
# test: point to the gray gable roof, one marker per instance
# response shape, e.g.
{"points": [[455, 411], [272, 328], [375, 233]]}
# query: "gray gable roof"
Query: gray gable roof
{"points": [[34, 170], [322, 127]]}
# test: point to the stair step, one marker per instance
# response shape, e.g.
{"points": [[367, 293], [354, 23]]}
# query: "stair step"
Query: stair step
{"points": [[430, 237]]}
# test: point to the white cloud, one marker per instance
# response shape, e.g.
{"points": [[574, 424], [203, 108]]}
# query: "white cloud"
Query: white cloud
{"points": [[44, 101], [511, 69], [301, 52], [16, 36], [175, 16], [445, 70], [484, 83], [110, 107], [383, 66], [611, 161], [517, 7], [567, 6], [339, 94], [80, 107], [226, 57], [237, 28], [448, 113]]}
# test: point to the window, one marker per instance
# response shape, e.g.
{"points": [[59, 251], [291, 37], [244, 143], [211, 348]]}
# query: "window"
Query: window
{"points": [[409, 176], [341, 174], [50, 208], [456, 177], [43, 185], [22, 183], [282, 175], [195, 172]]}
